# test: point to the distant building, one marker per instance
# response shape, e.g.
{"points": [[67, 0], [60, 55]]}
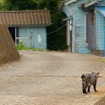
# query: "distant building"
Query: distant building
{"points": [[28, 26], [85, 25]]}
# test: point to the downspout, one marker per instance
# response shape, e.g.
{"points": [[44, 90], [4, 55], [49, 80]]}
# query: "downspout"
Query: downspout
{"points": [[68, 29], [68, 34]]}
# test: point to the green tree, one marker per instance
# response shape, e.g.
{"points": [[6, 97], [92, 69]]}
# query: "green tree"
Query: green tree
{"points": [[18, 5], [51, 5]]}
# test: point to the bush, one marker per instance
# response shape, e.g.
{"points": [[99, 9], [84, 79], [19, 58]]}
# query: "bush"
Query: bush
{"points": [[57, 41]]}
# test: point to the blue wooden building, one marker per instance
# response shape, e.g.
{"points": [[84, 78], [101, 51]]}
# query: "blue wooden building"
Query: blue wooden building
{"points": [[85, 25], [27, 26]]}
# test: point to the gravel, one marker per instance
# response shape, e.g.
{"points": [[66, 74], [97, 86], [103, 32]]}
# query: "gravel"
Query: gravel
{"points": [[49, 78]]}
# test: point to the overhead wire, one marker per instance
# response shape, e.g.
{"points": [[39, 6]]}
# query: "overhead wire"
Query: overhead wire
{"points": [[56, 30]]}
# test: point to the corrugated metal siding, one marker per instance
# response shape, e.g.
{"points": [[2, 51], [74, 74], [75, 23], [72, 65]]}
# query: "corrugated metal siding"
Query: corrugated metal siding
{"points": [[100, 30], [29, 37], [78, 36], [41, 33], [102, 2], [28, 17]]}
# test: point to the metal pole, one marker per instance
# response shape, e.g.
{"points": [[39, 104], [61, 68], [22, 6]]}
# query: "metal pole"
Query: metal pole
{"points": [[15, 35], [68, 34]]}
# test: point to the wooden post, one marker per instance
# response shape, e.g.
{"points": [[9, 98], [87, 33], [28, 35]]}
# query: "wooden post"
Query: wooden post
{"points": [[15, 35]]}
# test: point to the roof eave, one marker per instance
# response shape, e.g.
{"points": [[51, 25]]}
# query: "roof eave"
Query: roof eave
{"points": [[29, 25], [64, 3], [69, 2], [90, 3]]}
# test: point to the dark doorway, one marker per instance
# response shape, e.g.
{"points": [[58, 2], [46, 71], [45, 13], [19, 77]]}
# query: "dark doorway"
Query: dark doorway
{"points": [[90, 27], [71, 40], [12, 32]]}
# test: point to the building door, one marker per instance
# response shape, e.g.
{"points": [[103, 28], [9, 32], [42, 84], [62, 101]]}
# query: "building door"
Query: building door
{"points": [[12, 32], [90, 30]]}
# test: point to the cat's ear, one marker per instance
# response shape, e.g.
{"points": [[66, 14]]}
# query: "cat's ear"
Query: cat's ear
{"points": [[92, 72], [98, 73], [83, 76]]}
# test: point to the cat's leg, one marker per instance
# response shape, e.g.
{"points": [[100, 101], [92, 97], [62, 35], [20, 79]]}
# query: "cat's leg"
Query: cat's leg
{"points": [[84, 87], [89, 88], [84, 90], [94, 86]]}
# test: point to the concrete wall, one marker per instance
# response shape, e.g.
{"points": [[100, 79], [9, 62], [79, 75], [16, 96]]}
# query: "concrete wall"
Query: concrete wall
{"points": [[8, 52]]}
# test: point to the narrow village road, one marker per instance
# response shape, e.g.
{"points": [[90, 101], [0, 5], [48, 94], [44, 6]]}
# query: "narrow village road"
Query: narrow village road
{"points": [[49, 78]]}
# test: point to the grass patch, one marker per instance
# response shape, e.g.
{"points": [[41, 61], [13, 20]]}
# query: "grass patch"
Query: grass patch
{"points": [[103, 59], [29, 48]]}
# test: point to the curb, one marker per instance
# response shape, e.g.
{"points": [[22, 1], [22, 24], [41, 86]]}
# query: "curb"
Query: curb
{"points": [[100, 101]]}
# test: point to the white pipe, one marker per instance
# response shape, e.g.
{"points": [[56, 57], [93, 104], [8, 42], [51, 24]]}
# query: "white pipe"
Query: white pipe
{"points": [[68, 34]]}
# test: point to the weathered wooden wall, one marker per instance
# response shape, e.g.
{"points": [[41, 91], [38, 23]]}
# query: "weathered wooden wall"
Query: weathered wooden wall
{"points": [[100, 32], [8, 52], [79, 26], [33, 36], [79, 30]]}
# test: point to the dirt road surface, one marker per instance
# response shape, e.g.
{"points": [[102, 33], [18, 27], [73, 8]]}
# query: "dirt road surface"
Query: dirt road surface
{"points": [[49, 78]]}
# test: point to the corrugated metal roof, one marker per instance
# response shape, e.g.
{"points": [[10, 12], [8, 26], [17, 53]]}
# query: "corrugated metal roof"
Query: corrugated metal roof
{"points": [[101, 9], [25, 17]]}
